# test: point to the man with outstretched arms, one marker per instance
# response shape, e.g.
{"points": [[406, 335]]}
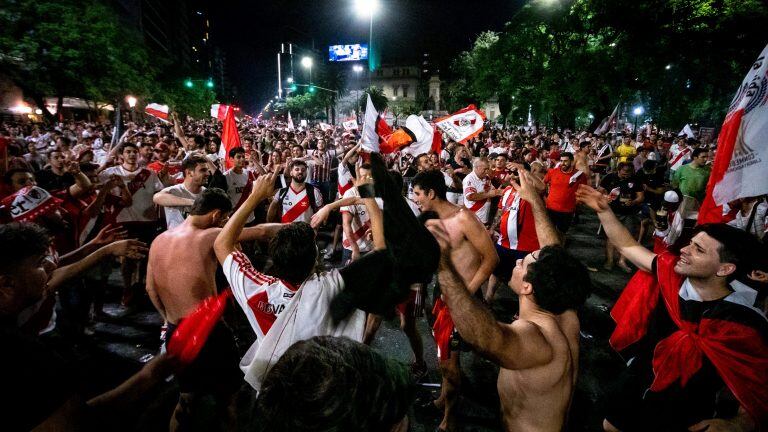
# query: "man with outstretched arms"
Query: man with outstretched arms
{"points": [[474, 257], [696, 345], [538, 353], [298, 201], [177, 200]]}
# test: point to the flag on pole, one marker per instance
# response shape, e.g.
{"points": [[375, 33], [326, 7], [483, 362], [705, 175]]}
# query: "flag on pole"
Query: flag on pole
{"points": [[608, 123], [415, 138], [157, 110], [230, 138], [350, 124], [219, 111], [687, 131], [290, 122], [370, 138], [463, 124], [740, 169]]}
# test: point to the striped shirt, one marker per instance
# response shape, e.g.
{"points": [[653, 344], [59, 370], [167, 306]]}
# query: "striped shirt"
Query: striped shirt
{"points": [[322, 172]]}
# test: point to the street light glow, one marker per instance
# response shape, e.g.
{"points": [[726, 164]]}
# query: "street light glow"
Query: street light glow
{"points": [[306, 62], [290, 80], [367, 8], [357, 68], [131, 101], [591, 116], [638, 110], [668, 67]]}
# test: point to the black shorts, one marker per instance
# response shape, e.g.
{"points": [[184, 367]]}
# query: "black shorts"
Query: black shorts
{"points": [[216, 369], [507, 261], [561, 221]]}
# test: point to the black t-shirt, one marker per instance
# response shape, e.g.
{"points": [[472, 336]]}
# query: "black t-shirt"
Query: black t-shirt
{"points": [[651, 180], [627, 189], [35, 380], [52, 182]]}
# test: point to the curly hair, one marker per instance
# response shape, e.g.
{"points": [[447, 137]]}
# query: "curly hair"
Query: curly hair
{"points": [[21, 241], [334, 384], [560, 281]]}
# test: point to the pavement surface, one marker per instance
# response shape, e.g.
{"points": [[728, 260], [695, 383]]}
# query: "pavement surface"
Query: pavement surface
{"points": [[120, 343]]}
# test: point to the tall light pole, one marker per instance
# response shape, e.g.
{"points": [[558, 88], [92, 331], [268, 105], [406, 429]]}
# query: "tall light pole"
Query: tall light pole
{"points": [[132, 104], [367, 9]]}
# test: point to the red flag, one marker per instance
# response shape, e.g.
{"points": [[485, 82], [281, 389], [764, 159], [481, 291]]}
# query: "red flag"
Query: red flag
{"points": [[229, 137], [192, 333], [740, 169]]}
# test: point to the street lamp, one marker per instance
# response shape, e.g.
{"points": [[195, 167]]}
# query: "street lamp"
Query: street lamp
{"points": [[290, 80], [638, 111], [357, 68], [306, 62], [188, 83], [131, 101], [367, 9]]}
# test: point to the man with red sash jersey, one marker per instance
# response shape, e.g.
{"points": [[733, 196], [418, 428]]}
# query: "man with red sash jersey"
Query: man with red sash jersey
{"points": [[517, 236], [679, 155], [478, 190], [139, 217], [240, 180], [697, 347], [293, 203]]}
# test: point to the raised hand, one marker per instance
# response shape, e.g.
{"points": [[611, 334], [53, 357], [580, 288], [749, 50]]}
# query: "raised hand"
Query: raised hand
{"points": [[130, 248], [109, 234], [264, 186], [592, 198]]}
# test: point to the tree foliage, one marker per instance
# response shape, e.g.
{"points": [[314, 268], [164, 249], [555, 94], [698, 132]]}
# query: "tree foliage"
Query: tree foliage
{"points": [[682, 59]]}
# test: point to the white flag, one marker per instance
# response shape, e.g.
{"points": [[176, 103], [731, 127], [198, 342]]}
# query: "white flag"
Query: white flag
{"points": [[370, 138], [463, 124], [687, 131]]}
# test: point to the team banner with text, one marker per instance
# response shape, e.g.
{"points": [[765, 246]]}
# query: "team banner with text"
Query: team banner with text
{"points": [[463, 124]]}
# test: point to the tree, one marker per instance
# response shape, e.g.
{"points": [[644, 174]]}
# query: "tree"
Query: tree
{"points": [[71, 48], [681, 58], [379, 100]]}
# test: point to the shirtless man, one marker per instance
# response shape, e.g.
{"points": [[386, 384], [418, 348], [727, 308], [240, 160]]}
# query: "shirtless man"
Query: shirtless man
{"points": [[474, 257], [538, 353], [177, 293], [581, 159]]}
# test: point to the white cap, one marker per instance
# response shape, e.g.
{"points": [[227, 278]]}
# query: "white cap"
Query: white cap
{"points": [[671, 197]]}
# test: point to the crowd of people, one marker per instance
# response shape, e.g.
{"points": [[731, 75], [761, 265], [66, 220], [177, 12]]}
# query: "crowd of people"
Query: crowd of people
{"points": [[319, 242]]}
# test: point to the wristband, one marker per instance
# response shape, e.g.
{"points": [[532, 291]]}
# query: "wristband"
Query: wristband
{"points": [[366, 191]]}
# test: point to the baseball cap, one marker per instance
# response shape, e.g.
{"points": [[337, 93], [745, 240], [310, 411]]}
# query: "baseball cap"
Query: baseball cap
{"points": [[671, 197]]}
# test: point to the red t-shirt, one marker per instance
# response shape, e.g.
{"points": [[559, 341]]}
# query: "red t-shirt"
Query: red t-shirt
{"points": [[562, 192]]}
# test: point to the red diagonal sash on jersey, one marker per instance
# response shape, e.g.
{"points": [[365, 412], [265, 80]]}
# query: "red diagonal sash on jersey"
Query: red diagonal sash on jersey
{"points": [[114, 205], [297, 209], [357, 235], [246, 190], [679, 156]]}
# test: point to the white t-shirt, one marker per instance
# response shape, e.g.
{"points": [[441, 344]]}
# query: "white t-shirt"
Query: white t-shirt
{"points": [[361, 222], [174, 216], [142, 209], [281, 314], [236, 185], [473, 184], [296, 206]]}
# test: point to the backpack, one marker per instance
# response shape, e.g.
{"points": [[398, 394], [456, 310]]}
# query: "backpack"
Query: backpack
{"points": [[310, 196]]}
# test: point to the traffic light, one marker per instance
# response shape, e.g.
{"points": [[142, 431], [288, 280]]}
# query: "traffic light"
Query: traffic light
{"points": [[293, 87], [311, 89], [188, 83], [209, 83]]}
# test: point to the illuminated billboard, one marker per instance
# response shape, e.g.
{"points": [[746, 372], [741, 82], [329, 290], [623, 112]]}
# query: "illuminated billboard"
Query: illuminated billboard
{"points": [[354, 52]]}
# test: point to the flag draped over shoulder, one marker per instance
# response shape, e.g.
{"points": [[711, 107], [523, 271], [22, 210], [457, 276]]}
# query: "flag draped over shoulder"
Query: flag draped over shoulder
{"points": [[740, 169], [463, 124], [157, 110], [230, 138]]}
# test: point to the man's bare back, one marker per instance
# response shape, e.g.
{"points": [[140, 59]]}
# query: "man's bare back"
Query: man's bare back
{"points": [[538, 398], [181, 270]]}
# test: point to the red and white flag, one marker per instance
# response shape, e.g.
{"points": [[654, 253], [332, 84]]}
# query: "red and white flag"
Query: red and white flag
{"points": [[230, 138], [350, 123], [157, 110], [740, 169], [219, 111], [463, 124], [609, 122]]}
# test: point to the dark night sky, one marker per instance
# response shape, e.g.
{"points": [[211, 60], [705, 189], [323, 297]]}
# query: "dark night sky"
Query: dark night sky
{"points": [[250, 32]]}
